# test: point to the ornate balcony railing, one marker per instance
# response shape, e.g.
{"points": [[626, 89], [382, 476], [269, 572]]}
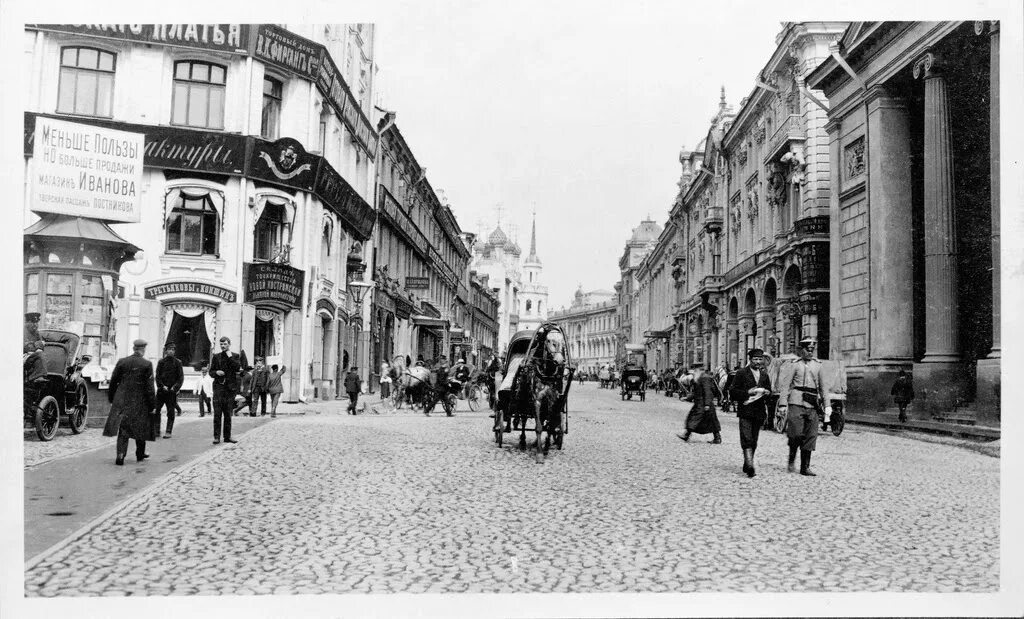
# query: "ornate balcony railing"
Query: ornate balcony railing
{"points": [[790, 130]]}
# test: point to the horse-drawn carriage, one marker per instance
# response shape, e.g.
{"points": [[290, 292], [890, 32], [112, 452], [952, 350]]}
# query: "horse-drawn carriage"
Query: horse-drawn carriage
{"points": [[536, 375], [415, 388], [634, 381], [57, 391]]}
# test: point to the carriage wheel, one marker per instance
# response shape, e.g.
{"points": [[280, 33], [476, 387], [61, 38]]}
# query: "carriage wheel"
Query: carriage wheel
{"points": [[473, 398], [79, 410], [47, 418], [837, 422]]}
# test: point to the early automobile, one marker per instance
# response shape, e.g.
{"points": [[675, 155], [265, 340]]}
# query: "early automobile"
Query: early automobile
{"points": [[634, 381], [60, 393]]}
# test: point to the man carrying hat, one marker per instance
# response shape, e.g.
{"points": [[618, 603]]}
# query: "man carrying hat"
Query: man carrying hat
{"points": [[224, 368], [801, 392], [748, 389], [133, 404]]}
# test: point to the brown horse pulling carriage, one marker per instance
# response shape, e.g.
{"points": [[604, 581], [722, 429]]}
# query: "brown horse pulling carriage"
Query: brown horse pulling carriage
{"points": [[537, 376]]}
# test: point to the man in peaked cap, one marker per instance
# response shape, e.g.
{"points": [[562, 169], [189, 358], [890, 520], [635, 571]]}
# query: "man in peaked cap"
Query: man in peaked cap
{"points": [[801, 393], [749, 383], [133, 404], [31, 327]]}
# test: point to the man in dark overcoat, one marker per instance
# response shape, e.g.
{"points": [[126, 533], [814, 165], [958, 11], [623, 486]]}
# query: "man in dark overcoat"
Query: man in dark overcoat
{"points": [[749, 382], [352, 388], [702, 418], [224, 368], [169, 377], [260, 380], [133, 404]]}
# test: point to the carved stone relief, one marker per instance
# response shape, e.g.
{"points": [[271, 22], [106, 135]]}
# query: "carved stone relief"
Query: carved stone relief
{"points": [[853, 158]]}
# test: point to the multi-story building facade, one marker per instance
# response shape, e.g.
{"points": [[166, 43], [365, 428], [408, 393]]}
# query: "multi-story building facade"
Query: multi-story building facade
{"points": [[591, 325], [422, 261], [913, 129], [483, 323], [533, 294], [654, 319], [640, 243], [754, 216], [253, 203]]}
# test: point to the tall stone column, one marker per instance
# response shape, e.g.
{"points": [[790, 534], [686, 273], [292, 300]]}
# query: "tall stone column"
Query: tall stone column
{"points": [[891, 315], [989, 368], [940, 373]]}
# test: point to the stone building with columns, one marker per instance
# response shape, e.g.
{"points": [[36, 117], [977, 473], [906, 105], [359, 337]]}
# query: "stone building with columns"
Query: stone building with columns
{"points": [[752, 214], [591, 326], [913, 129], [640, 243], [655, 299]]}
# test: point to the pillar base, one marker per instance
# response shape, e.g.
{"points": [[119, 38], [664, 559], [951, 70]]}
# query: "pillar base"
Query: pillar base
{"points": [[987, 392], [869, 386], [940, 386]]}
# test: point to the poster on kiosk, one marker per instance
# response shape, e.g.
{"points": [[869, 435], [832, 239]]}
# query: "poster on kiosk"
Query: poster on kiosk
{"points": [[86, 171]]}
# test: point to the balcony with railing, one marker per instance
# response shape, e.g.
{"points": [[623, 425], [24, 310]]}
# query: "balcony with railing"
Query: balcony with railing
{"points": [[713, 219], [792, 129]]}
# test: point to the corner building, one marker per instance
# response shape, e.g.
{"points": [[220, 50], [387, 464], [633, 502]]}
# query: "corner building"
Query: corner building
{"points": [[256, 194], [913, 134]]}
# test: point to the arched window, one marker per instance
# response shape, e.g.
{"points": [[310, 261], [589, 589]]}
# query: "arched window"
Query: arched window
{"points": [[86, 81], [198, 99], [192, 223], [325, 249], [529, 305]]}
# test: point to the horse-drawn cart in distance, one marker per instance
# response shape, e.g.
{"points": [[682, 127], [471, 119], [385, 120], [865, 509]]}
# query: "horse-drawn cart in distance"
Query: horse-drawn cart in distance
{"points": [[54, 388], [536, 376], [634, 381]]}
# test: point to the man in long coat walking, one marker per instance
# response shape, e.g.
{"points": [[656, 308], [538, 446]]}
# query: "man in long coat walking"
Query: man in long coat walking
{"points": [[702, 418], [169, 377], [133, 404]]}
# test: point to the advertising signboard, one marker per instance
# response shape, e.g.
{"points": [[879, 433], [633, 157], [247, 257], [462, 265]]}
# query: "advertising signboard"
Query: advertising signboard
{"points": [[87, 171], [272, 284], [231, 38]]}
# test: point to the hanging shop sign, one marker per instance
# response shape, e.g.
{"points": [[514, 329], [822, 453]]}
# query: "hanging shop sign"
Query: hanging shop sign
{"points": [[189, 287], [274, 285], [171, 147], [278, 47], [284, 162], [86, 171], [335, 191], [333, 87], [231, 38], [417, 283]]}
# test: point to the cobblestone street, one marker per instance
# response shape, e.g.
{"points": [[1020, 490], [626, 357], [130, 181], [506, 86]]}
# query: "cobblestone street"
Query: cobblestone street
{"points": [[332, 503]]}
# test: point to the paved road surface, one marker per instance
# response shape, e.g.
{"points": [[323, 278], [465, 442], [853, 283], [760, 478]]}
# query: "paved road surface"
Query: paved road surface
{"points": [[333, 503]]}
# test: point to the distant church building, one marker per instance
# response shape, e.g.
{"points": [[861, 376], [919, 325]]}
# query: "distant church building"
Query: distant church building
{"points": [[523, 300]]}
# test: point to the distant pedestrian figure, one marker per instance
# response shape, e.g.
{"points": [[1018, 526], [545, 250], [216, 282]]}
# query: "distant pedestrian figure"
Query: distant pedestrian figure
{"points": [[352, 385], [903, 393], [169, 377], [385, 380], [224, 368], [133, 404], [260, 376], [801, 393], [745, 384], [702, 418], [205, 392], [243, 398], [274, 387]]}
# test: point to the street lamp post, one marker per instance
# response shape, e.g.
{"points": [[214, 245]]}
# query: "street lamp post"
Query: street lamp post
{"points": [[357, 290]]}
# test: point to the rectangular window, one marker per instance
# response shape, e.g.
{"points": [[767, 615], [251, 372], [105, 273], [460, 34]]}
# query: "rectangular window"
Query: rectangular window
{"points": [[192, 226], [270, 124], [86, 82], [198, 94]]}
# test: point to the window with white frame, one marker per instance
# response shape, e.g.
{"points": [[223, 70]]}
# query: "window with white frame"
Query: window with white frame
{"points": [[198, 98], [86, 81], [192, 223], [270, 124]]}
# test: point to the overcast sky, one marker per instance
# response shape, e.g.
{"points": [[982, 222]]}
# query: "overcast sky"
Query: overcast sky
{"points": [[579, 111]]}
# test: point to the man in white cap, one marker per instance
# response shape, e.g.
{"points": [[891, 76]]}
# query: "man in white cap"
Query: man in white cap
{"points": [[133, 404], [801, 392]]}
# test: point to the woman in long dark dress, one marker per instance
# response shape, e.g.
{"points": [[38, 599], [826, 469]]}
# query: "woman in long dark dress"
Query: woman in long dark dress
{"points": [[702, 418]]}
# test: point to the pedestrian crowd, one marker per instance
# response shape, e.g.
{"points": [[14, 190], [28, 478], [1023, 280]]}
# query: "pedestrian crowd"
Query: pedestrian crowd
{"points": [[226, 388]]}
